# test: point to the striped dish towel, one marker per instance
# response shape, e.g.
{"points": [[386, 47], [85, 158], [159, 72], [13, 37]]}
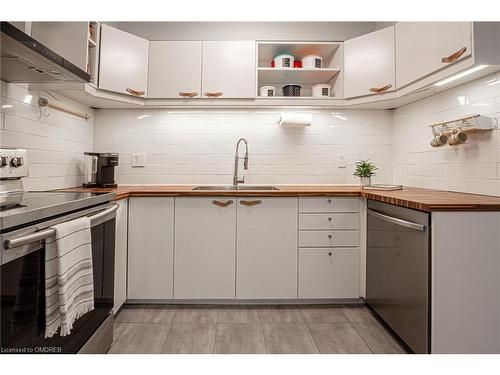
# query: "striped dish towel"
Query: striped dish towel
{"points": [[69, 279]]}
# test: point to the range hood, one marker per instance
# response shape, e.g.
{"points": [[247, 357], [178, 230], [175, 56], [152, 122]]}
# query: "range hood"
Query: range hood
{"points": [[23, 59]]}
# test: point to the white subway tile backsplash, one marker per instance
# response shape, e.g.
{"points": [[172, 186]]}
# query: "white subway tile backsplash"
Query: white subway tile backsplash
{"points": [[198, 146], [55, 141], [472, 167]]}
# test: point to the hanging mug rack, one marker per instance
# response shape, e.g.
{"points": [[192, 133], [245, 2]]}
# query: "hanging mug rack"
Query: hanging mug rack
{"points": [[456, 132]]}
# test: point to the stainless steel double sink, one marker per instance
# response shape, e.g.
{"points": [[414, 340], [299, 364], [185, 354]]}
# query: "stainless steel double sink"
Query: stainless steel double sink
{"points": [[235, 188]]}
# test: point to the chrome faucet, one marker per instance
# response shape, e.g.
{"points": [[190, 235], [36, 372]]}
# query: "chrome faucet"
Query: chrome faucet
{"points": [[237, 180]]}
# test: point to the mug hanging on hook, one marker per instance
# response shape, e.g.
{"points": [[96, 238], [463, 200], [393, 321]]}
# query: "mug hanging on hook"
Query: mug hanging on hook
{"points": [[43, 105]]}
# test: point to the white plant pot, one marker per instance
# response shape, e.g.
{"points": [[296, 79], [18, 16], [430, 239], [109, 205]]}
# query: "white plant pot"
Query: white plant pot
{"points": [[366, 181]]}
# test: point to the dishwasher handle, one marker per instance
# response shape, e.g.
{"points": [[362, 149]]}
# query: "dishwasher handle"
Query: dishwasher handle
{"points": [[396, 221]]}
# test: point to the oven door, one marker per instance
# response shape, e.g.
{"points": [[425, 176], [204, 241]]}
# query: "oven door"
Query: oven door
{"points": [[22, 281]]}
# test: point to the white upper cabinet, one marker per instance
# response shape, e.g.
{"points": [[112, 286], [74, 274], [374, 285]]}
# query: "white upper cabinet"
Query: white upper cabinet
{"points": [[423, 48], [228, 69], [205, 248], [123, 66], [174, 69], [370, 64]]}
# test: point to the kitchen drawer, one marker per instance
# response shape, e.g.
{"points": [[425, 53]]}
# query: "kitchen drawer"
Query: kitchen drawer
{"points": [[328, 238], [328, 204], [329, 273], [329, 221]]}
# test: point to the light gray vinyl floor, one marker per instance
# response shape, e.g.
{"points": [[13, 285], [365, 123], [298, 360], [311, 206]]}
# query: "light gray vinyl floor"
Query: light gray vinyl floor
{"points": [[244, 330]]}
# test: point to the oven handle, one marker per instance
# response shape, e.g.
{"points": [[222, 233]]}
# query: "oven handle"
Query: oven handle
{"points": [[46, 233], [396, 221]]}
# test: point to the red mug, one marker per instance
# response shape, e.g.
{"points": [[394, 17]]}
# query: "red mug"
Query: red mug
{"points": [[297, 64]]}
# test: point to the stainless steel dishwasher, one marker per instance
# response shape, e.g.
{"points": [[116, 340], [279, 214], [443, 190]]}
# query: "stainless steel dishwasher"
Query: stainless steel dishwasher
{"points": [[398, 269]]}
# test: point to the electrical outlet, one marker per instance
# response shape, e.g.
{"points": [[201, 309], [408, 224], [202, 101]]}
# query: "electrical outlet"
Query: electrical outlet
{"points": [[341, 161], [138, 160]]}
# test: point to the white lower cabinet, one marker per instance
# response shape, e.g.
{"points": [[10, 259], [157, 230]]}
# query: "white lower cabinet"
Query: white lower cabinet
{"points": [[329, 273], [150, 248], [120, 294], [205, 248], [266, 259], [247, 248], [329, 240]]}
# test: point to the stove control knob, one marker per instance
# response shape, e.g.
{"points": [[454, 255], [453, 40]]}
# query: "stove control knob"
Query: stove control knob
{"points": [[3, 161], [16, 162]]}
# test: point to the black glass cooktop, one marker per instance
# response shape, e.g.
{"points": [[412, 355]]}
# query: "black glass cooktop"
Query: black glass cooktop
{"points": [[32, 206]]}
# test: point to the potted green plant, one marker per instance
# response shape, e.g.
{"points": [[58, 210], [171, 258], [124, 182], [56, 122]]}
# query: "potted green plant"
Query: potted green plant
{"points": [[365, 169]]}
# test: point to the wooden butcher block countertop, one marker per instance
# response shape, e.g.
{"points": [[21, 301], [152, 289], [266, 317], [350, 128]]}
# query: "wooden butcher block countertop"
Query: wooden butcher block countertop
{"points": [[416, 198]]}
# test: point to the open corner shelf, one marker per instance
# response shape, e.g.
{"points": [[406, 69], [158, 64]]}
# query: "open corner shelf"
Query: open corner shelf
{"points": [[295, 75], [268, 50]]}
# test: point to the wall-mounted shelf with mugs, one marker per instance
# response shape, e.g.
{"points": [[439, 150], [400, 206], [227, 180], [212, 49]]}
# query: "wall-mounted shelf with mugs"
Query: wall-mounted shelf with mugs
{"points": [[456, 132], [308, 70]]}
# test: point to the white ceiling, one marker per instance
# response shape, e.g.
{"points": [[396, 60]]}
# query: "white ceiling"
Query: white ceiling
{"points": [[317, 31]]}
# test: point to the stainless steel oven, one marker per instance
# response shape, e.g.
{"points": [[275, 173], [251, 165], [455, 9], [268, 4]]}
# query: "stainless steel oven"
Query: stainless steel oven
{"points": [[398, 269], [22, 284]]}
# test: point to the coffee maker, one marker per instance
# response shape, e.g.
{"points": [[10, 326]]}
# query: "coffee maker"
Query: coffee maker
{"points": [[100, 169]]}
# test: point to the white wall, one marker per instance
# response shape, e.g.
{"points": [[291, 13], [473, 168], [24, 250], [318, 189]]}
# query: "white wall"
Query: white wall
{"points": [[55, 143], [473, 167], [197, 146]]}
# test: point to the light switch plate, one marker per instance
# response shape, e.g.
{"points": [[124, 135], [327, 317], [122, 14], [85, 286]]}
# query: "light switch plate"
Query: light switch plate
{"points": [[138, 160], [341, 161]]}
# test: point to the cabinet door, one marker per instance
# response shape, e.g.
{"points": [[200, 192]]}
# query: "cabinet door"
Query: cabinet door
{"points": [[150, 248], [121, 254], [329, 273], [228, 69], [174, 69], [266, 248], [123, 65], [205, 241], [423, 48], [370, 63]]}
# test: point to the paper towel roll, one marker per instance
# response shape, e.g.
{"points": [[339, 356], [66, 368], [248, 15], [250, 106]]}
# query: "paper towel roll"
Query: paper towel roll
{"points": [[295, 119]]}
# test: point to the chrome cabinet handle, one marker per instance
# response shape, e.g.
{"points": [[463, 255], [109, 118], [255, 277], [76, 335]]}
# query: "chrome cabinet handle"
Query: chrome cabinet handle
{"points": [[214, 94], [135, 92], [454, 56], [377, 90], [251, 203], [222, 204], [188, 94]]}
